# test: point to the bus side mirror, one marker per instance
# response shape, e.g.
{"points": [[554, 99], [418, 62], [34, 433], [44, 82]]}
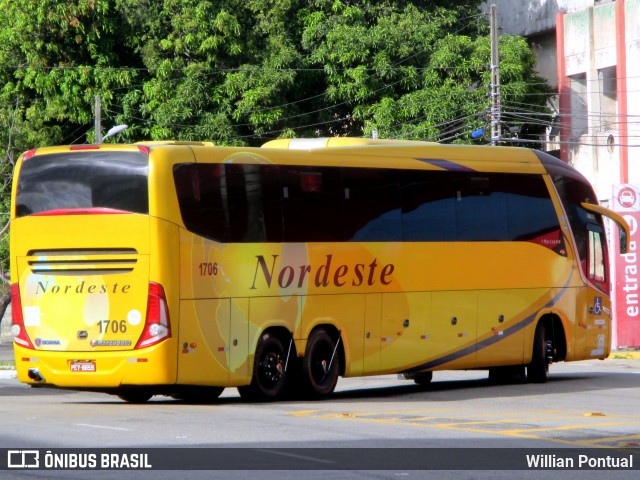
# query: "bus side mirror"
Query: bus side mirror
{"points": [[624, 241], [623, 226]]}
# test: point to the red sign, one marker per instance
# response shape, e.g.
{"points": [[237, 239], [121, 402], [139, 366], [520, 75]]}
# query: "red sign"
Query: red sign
{"points": [[626, 296]]}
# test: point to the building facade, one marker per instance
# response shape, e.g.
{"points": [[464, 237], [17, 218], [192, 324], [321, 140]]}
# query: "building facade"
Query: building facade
{"points": [[590, 51], [599, 87], [598, 51]]}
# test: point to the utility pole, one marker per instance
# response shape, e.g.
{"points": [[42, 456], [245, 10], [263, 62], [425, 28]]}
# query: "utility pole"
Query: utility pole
{"points": [[496, 129], [98, 128]]}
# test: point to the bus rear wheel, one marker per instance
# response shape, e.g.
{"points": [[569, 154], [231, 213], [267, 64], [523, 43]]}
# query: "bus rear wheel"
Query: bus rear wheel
{"points": [[135, 396], [199, 395], [423, 378], [320, 365], [269, 380]]}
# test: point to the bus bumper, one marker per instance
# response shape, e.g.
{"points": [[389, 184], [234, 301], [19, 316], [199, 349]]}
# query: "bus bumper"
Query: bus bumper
{"points": [[156, 365]]}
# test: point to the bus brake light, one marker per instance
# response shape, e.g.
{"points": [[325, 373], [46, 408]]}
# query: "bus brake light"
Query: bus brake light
{"points": [[29, 154], [157, 326], [18, 330]]}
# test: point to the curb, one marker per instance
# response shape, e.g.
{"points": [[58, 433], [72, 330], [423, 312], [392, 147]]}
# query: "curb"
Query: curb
{"points": [[624, 355]]}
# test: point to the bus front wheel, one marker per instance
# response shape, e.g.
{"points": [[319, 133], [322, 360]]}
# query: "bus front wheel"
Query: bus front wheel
{"points": [[538, 369], [320, 365], [268, 380]]}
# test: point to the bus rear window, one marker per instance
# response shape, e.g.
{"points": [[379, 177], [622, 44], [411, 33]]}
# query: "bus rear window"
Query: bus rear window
{"points": [[83, 180]]}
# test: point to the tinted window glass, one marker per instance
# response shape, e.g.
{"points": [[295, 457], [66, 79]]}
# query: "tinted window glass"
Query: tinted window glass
{"points": [[573, 192], [446, 206], [202, 195], [428, 207], [371, 205], [267, 203], [83, 179], [312, 201], [255, 203]]}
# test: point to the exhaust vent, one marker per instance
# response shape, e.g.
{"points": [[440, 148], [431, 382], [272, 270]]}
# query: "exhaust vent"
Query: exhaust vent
{"points": [[83, 261]]}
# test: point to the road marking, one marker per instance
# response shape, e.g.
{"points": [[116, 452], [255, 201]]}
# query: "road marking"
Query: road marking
{"points": [[569, 427], [304, 413], [417, 418], [102, 427], [614, 439]]}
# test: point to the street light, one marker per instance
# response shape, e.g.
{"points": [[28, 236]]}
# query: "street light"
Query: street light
{"points": [[114, 131]]}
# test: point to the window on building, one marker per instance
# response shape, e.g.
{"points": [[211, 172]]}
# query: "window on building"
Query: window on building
{"points": [[579, 112], [608, 98]]}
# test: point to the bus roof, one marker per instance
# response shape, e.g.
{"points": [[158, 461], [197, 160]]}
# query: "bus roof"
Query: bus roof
{"points": [[324, 142], [356, 152]]}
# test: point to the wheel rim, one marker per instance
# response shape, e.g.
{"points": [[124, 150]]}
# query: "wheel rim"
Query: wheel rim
{"points": [[271, 369], [320, 365]]}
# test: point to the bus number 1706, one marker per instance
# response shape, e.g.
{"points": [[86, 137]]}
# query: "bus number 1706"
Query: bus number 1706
{"points": [[113, 326], [208, 269]]}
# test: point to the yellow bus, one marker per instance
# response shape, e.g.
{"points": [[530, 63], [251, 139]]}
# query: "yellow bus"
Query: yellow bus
{"points": [[182, 269]]}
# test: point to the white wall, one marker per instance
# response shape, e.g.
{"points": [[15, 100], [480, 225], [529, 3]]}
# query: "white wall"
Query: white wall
{"points": [[519, 17]]}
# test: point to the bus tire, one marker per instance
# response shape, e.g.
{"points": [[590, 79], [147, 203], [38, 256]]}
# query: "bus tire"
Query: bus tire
{"points": [[538, 369], [320, 365], [420, 378], [135, 396], [268, 380], [423, 378]]}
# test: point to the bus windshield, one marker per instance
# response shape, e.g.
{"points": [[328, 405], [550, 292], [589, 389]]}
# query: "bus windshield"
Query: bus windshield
{"points": [[81, 180]]}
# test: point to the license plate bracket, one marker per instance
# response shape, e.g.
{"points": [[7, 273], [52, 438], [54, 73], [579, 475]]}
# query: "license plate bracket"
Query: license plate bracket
{"points": [[83, 366]]}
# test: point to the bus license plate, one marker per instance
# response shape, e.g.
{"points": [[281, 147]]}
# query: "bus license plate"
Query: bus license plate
{"points": [[83, 366]]}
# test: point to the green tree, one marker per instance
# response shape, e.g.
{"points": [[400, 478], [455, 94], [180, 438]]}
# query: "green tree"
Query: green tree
{"points": [[414, 69], [55, 57]]}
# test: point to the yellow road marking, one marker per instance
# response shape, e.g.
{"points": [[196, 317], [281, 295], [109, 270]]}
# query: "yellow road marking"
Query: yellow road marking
{"points": [[614, 439], [570, 427], [400, 418]]}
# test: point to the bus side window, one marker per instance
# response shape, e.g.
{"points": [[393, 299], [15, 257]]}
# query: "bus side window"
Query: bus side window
{"points": [[202, 197], [311, 204], [255, 203], [596, 260]]}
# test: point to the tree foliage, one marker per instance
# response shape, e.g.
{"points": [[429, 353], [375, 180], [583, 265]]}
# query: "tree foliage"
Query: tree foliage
{"points": [[241, 72]]}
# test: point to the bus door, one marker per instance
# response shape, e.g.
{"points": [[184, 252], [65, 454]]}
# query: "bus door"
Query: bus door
{"points": [[596, 315], [594, 319]]}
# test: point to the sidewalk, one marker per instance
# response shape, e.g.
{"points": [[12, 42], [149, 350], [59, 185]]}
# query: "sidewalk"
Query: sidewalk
{"points": [[6, 340], [625, 354], [6, 344]]}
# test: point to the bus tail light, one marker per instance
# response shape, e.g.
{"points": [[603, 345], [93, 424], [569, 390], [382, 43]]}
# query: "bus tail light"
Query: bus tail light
{"points": [[157, 326], [18, 330]]}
